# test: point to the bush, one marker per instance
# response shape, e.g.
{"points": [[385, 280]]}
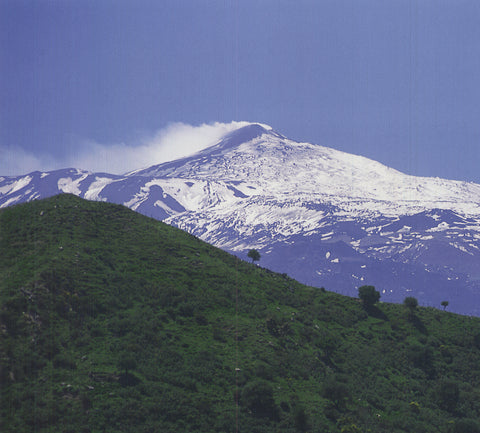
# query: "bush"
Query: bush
{"points": [[448, 393], [410, 302], [257, 396], [335, 391], [127, 362], [300, 419], [476, 340], [368, 295], [421, 357], [466, 426], [63, 361], [264, 371]]}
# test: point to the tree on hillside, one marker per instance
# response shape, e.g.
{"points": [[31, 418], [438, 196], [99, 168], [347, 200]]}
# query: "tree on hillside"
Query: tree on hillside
{"points": [[254, 255], [300, 418], [444, 305], [448, 393], [411, 303], [127, 362], [335, 391], [257, 396], [466, 425], [368, 295]]}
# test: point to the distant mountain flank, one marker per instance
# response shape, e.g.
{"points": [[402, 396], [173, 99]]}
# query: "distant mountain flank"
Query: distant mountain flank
{"points": [[325, 217]]}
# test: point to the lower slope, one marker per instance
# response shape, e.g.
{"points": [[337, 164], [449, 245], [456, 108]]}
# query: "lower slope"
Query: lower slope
{"points": [[111, 322]]}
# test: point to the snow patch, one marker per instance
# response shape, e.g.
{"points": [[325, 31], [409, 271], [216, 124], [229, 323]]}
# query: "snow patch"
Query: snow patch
{"points": [[460, 247], [66, 184], [96, 187], [440, 228], [16, 185]]}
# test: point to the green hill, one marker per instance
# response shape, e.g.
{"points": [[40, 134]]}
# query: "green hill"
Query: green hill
{"points": [[114, 322]]}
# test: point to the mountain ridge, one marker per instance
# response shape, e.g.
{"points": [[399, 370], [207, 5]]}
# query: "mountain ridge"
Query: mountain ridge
{"points": [[256, 188]]}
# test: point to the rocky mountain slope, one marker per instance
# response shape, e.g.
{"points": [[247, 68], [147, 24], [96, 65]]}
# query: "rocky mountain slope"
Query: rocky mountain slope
{"points": [[325, 217]]}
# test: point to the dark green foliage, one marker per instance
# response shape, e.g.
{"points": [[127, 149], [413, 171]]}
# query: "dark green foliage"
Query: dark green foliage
{"points": [[444, 304], [336, 392], [84, 286], [410, 302], [476, 340], [127, 362], [466, 426], [448, 393], [300, 419], [257, 396], [368, 295], [421, 356], [254, 255]]}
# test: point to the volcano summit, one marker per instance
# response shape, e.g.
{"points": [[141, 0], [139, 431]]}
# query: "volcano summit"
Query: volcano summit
{"points": [[324, 217]]}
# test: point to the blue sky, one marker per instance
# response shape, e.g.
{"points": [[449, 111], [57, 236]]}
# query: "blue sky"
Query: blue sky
{"points": [[397, 81]]}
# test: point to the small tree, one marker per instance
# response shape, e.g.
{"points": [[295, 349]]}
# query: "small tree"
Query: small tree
{"points": [[300, 419], [257, 396], [127, 362], [466, 425], [335, 391], [254, 255], [444, 305], [368, 295], [448, 393], [411, 303]]}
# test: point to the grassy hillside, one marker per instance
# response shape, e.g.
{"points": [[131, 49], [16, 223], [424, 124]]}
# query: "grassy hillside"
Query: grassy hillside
{"points": [[114, 322]]}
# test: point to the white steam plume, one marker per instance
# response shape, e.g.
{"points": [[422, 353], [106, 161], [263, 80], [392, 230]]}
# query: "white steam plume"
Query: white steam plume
{"points": [[175, 141]]}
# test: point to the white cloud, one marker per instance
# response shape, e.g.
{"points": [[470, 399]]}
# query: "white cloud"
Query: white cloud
{"points": [[175, 141], [179, 140], [15, 161]]}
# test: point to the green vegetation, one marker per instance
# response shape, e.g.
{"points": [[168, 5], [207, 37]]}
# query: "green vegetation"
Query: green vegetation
{"points": [[114, 322], [411, 303], [369, 296], [254, 255]]}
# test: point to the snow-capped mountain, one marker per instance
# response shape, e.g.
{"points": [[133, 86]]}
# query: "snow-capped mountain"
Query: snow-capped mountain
{"points": [[324, 217]]}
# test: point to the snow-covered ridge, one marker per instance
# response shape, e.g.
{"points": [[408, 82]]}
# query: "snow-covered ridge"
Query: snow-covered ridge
{"points": [[324, 216], [270, 164]]}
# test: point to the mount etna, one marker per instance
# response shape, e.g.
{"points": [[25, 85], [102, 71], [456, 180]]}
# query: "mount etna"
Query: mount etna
{"points": [[324, 217]]}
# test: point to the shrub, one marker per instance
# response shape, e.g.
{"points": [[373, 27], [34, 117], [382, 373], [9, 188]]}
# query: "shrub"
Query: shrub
{"points": [[201, 319], [257, 396], [63, 361], [448, 393], [466, 426], [414, 407], [335, 391], [368, 295], [127, 362], [476, 340], [300, 419], [264, 371], [421, 357], [410, 302]]}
